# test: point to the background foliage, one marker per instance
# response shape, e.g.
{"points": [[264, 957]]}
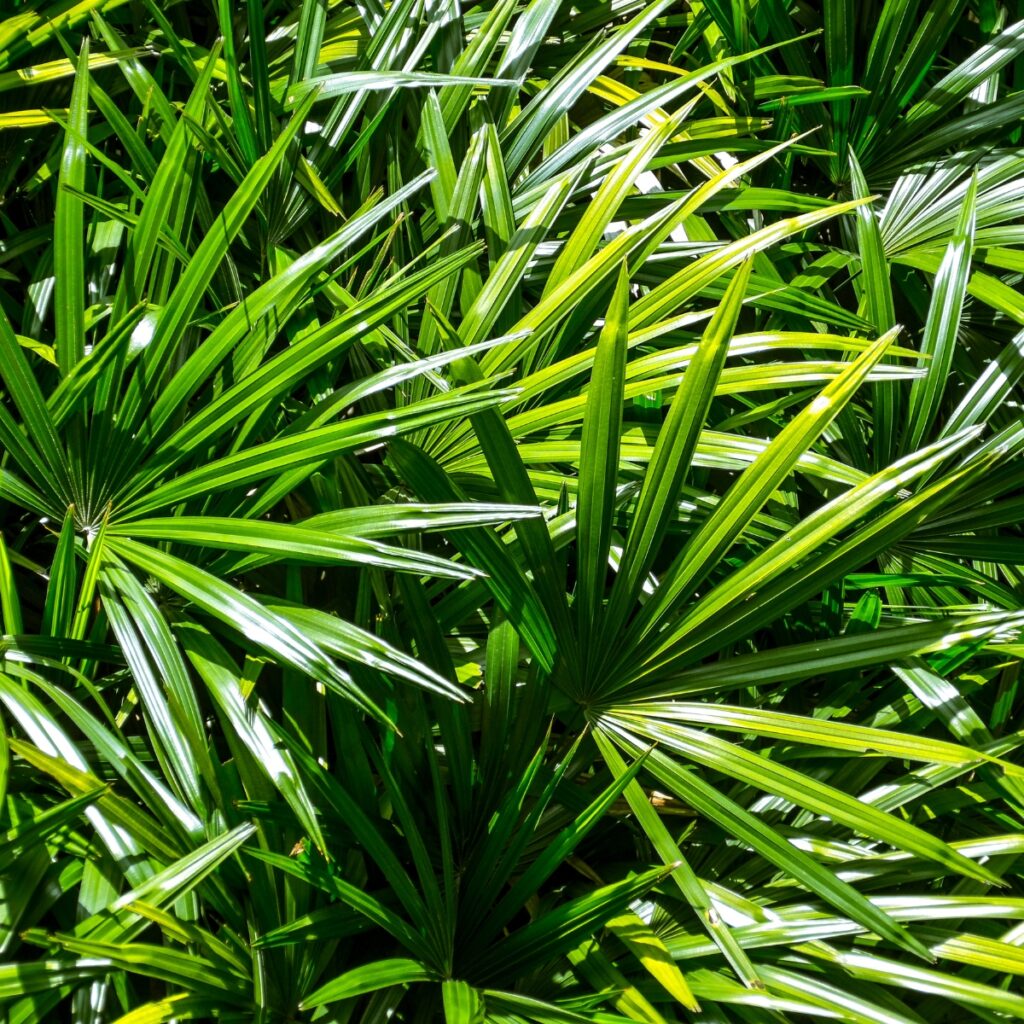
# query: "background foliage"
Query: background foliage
{"points": [[511, 511]]}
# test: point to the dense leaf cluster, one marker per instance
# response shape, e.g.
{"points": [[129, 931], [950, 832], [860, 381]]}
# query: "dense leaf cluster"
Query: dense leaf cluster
{"points": [[510, 511]]}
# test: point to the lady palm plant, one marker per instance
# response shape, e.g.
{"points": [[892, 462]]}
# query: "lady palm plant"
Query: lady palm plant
{"points": [[511, 512]]}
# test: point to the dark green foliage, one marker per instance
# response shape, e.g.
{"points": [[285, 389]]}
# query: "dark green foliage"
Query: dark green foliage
{"points": [[511, 511]]}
